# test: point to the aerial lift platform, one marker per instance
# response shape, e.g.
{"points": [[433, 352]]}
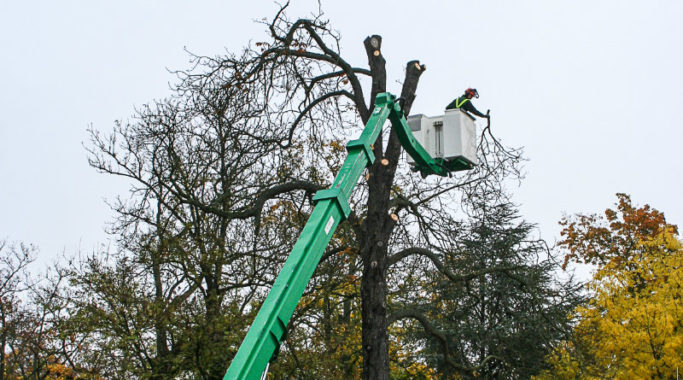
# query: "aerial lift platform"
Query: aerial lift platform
{"points": [[269, 328]]}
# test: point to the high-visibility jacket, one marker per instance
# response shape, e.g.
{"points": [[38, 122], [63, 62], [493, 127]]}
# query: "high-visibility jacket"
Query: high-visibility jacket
{"points": [[464, 103]]}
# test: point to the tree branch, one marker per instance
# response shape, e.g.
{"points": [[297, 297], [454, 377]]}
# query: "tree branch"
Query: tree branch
{"points": [[258, 203], [310, 106], [377, 63], [398, 256], [413, 72], [436, 333]]}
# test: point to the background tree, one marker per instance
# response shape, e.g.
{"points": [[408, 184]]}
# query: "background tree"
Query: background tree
{"points": [[29, 338], [15, 319], [633, 326], [499, 310], [197, 253]]}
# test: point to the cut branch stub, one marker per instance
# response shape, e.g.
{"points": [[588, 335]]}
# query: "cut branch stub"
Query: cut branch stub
{"points": [[413, 72], [373, 49]]}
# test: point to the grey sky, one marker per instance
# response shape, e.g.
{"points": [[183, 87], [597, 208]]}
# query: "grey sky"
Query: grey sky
{"points": [[592, 89]]}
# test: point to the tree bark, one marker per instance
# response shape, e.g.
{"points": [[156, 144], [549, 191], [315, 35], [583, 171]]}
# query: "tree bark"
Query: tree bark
{"points": [[373, 248], [378, 226]]}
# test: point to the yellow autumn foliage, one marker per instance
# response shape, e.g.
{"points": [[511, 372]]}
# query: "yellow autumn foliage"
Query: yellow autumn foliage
{"points": [[632, 327]]}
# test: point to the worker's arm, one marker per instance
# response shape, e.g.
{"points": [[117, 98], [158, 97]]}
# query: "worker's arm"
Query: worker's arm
{"points": [[469, 107]]}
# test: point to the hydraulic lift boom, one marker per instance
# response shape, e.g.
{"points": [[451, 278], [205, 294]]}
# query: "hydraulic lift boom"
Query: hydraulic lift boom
{"points": [[270, 325]]}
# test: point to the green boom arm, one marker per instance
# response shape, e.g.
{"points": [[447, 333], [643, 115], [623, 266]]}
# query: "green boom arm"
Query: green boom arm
{"points": [[268, 330]]}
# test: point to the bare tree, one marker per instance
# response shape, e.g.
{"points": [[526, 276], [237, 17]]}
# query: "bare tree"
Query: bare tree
{"points": [[313, 93], [13, 315], [203, 165], [26, 324]]}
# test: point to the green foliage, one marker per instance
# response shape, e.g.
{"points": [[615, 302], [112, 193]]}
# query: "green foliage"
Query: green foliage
{"points": [[504, 314]]}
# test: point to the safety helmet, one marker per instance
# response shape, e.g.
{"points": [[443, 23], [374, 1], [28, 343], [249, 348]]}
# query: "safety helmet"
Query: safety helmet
{"points": [[473, 92]]}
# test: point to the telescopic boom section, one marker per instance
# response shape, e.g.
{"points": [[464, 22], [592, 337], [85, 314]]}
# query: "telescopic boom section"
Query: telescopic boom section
{"points": [[332, 207]]}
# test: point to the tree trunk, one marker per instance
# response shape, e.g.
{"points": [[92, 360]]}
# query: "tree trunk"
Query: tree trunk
{"points": [[161, 367], [161, 363], [378, 226], [373, 284], [216, 363]]}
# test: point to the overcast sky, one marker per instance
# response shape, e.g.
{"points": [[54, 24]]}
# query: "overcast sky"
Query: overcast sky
{"points": [[593, 90]]}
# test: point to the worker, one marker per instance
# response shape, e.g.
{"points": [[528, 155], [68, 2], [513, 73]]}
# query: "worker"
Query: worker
{"points": [[465, 103]]}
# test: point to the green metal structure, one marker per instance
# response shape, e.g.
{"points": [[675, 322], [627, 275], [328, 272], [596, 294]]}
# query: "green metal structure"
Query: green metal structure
{"points": [[270, 325]]}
